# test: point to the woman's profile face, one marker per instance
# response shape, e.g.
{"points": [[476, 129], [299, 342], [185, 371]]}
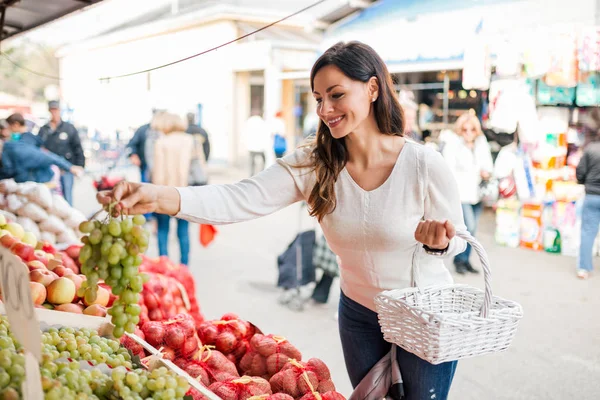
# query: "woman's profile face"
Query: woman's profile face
{"points": [[343, 104]]}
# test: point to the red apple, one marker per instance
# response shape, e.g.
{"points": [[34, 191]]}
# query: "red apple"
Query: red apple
{"points": [[62, 271], [102, 297], [68, 262], [70, 307], [77, 280], [44, 277], [41, 256], [111, 296], [61, 291], [22, 250], [38, 293], [35, 264], [8, 240], [73, 251], [95, 310]]}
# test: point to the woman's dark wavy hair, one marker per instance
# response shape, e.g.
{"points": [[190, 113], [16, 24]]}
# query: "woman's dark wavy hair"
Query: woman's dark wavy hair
{"points": [[358, 62]]}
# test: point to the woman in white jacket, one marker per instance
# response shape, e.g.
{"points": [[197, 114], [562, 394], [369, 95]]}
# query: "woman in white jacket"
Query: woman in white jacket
{"points": [[469, 157]]}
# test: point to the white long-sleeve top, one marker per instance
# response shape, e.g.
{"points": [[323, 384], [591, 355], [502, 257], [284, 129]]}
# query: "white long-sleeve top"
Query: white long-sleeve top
{"points": [[372, 232], [467, 164]]}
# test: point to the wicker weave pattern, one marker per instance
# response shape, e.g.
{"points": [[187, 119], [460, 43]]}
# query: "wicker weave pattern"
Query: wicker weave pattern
{"points": [[448, 322]]}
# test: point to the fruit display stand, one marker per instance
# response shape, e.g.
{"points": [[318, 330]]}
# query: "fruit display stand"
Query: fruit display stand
{"points": [[50, 320], [104, 289]]}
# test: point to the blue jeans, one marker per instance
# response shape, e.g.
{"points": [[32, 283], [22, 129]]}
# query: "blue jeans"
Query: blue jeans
{"points": [[590, 219], [183, 235], [364, 346], [66, 181], [145, 178], [471, 213]]}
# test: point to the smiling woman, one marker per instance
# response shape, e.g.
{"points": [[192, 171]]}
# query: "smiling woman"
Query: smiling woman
{"points": [[377, 196], [350, 83]]}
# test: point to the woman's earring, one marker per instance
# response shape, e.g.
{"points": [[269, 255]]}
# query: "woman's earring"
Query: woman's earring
{"points": [[373, 100]]}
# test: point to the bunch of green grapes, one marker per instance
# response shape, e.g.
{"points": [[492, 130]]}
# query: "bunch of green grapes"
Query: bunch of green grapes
{"points": [[112, 252]]}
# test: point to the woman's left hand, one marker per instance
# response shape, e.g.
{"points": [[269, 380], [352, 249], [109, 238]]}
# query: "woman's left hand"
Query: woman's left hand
{"points": [[435, 234]]}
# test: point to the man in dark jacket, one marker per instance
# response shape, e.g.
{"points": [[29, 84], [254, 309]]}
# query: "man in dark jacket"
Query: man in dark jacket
{"points": [[197, 130], [23, 160], [588, 174], [62, 138]]}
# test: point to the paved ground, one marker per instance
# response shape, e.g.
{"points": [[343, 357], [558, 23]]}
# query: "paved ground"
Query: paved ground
{"points": [[556, 354]]}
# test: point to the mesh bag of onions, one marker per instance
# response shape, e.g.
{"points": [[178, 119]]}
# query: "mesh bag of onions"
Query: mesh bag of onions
{"points": [[174, 338], [298, 378], [209, 366], [241, 388], [267, 355], [230, 335]]}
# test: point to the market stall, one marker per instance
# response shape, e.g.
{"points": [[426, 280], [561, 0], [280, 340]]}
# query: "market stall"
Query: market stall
{"points": [[118, 324], [545, 108]]}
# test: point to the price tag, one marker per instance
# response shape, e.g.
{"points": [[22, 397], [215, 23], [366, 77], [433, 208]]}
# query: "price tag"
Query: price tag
{"points": [[16, 296], [32, 387]]}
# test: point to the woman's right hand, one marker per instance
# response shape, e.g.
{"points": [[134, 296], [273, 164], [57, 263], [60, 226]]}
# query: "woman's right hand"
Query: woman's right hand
{"points": [[141, 198]]}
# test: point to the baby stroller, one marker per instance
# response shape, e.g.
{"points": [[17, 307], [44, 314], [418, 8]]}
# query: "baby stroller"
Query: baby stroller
{"points": [[296, 270]]}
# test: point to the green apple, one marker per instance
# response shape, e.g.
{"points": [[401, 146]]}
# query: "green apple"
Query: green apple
{"points": [[29, 238], [15, 229]]}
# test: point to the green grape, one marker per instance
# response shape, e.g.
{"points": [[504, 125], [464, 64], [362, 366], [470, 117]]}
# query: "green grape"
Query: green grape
{"points": [[139, 220], [137, 232], [120, 320], [136, 283], [105, 247], [102, 264], [116, 272], [114, 259], [143, 241], [129, 297], [118, 331], [126, 225], [114, 228], [86, 227], [130, 327], [96, 236], [117, 290], [133, 249], [128, 261], [85, 253], [90, 295], [130, 271], [133, 309]]}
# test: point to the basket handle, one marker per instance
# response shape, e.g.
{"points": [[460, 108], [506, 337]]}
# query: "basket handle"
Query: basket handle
{"points": [[485, 263]]}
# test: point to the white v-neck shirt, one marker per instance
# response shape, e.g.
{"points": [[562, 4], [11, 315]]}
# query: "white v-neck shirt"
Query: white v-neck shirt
{"points": [[372, 232]]}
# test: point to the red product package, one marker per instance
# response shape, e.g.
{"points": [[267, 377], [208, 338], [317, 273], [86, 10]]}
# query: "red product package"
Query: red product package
{"points": [[267, 355], [300, 378], [209, 366], [230, 335], [175, 338], [241, 388], [323, 396]]}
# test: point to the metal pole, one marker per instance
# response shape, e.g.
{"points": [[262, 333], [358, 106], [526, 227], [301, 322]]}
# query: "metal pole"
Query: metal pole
{"points": [[446, 90]]}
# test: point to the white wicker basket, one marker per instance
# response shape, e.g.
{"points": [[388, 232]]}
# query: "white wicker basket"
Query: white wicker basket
{"points": [[448, 322]]}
